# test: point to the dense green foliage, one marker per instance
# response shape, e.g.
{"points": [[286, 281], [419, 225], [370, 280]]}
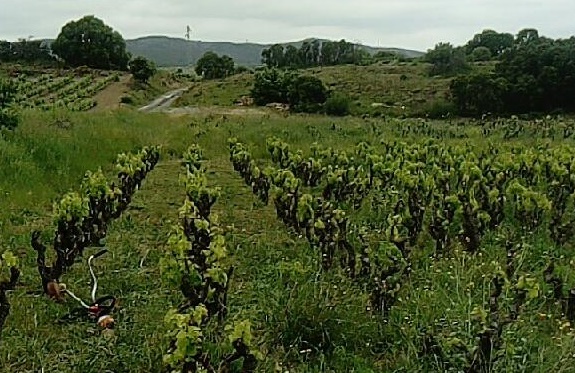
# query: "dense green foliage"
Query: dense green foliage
{"points": [[496, 43], [213, 66], [303, 93], [142, 69], [446, 60], [536, 75], [8, 117], [271, 85], [26, 51], [337, 104], [307, 94], [90, 42], [314, 53]]}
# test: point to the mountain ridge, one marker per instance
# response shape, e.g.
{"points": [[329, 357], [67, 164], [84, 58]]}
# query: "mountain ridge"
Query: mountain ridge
{"points": [[168, 51]]}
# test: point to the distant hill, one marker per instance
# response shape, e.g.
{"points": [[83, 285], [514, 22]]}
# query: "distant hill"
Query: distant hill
{"points": [[166, 51]]}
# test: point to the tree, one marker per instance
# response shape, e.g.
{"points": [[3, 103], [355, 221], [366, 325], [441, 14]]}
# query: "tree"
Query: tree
{"points": [[212, 66], [496, 42], [306, 94], [292, 57], [302, 93], [142, 69], [26, 51], [446, 60], [480, 93], [90, 42], [274, 56], [526, 36], [536, 75], [271, 85], [8, 117], [481, 54]]}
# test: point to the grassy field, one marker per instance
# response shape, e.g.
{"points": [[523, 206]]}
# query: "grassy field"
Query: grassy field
{"points": [[304, 319], [396, 90]]}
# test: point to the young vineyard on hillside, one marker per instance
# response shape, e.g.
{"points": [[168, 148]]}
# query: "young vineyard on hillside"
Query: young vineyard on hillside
{"points": [[64, 91]]}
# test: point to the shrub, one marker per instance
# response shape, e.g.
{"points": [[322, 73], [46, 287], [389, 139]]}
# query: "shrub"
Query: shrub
{"points": [[271, 85], [303, 93], [8, 117], [338, 105], [440, 109], [127, 99], [142, 69], [307, 94]]}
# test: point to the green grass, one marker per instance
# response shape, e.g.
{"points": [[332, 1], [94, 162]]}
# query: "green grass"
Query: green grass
{"points": [[396, 90], [277, 283], [222, 92]]}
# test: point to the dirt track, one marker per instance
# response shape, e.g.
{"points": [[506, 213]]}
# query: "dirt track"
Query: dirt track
{"points": [[163, 102]]}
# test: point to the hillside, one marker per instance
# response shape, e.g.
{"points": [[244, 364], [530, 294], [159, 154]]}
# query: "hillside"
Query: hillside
{"points": [[166, 51], [396, 89]]}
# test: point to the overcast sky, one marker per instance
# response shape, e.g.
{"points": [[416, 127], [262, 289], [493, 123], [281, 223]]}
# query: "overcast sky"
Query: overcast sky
{"points": [[413, 24]]}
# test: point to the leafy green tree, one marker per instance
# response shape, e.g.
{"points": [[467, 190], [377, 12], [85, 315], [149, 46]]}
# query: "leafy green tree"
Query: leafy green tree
{"points": [[142, 69], [477, 94], [212, 66], [496, 42], [274, 56], [8, 117], [26, 51], [536, 75], [90, 42], [306, 94], [481, 54], [302, 93], [271, 85], [526, 36], [446, 60], [292, 57]]}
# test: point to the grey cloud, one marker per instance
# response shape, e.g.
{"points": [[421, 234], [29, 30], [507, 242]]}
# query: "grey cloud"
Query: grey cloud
{"points": [[417, 24]]}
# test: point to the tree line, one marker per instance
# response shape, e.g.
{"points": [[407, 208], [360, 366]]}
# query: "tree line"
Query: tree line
{"points": [[314, 53], [26, 51], [529, 73]]}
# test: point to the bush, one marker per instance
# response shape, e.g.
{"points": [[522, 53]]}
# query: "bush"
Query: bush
{"points": [[142, 69], [213, 66], [440, 109], [271, 85], [307, 94], [303, 93], [8, 117], [338, 105], [127, 99]]}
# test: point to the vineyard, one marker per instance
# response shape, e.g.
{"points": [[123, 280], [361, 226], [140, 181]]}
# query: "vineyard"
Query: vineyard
{"points": [[299, 244], [65, 91]]}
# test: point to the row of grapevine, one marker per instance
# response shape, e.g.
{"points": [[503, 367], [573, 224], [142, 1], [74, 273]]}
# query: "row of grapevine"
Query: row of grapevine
{"points": [[197, 264], [9, 264], [385, 202], [67, 92], [82, 218]]}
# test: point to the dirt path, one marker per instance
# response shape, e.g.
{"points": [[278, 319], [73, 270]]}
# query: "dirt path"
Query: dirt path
{"points": [[165, 101], [109, 98], [164, 104]]}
